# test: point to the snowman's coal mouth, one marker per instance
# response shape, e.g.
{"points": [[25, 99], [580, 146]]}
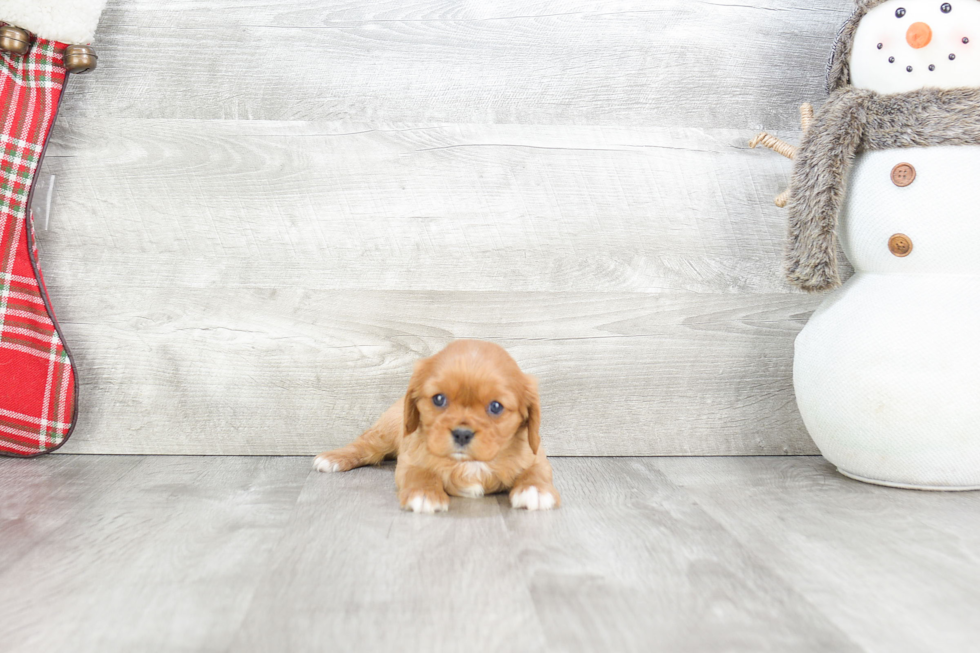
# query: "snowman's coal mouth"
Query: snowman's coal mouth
{"points": [[931, 68]]}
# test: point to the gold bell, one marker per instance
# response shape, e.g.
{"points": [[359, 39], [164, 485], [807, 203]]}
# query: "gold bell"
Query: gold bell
{"points": [[80, 59], [14, 40]]}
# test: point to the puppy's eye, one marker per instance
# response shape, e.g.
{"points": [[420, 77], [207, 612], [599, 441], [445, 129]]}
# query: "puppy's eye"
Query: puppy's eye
{"points": [[440, 401], [495, 408], [900, 12], [946, 8]]}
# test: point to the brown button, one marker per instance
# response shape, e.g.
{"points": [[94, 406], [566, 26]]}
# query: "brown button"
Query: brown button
{"points": [[903, 175], [900, 245]]}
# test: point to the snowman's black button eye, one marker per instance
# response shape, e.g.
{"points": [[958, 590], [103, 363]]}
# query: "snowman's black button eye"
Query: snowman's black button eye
{"points": [[900, 12], [965, 40], [932, 67], [909, 69], [891, 59], [946, 8], [952, 57], [881, 45]]}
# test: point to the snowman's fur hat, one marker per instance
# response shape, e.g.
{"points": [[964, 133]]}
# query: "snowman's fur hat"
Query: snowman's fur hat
{"points": [[851, 121], [838, 70]]}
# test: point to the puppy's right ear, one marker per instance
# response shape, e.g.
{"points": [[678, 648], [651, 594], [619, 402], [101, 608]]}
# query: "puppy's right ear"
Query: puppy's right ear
{"points": [[412, 396], [533, 421]]}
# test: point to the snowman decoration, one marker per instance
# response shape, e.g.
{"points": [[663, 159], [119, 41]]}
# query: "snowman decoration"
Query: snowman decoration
{"points": [[887, 371]]}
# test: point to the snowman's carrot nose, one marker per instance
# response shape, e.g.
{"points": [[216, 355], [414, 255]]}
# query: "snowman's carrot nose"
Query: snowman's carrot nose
{"points": [[919, 35]]}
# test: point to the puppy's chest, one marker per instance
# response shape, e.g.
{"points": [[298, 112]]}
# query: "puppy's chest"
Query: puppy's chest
{"points": [[473, 479]]}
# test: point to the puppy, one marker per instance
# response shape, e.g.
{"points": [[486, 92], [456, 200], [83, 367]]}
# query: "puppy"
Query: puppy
{"points": [[468, 426]]}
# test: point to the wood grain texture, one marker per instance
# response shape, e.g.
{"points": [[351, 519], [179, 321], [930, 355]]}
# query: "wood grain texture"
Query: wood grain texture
{"points": [[126, 554], [263, 212], [467, 207], [628, 564], [159, 553], [547, 62], [870, 560], [619, 373]]}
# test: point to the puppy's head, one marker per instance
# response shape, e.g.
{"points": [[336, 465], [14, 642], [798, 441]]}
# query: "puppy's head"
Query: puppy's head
{"points": [[471, 400]]}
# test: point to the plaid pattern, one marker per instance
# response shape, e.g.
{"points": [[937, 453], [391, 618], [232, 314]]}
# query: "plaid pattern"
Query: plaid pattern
{"points": [[37, 380]]}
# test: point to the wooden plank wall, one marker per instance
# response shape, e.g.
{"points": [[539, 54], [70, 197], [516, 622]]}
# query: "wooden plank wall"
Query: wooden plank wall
{"points": [[263, 212]]}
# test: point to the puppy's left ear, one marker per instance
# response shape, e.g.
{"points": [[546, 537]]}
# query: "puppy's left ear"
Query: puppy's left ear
{"points": [[533, 419]]}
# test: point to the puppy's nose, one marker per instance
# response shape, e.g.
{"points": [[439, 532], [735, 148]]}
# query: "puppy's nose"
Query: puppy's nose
{"points": [[462, 436]]}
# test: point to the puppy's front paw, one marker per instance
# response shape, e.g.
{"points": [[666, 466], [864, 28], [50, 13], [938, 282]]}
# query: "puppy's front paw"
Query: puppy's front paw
{"points": [[425, 501], [332, 461], [533, 497]]}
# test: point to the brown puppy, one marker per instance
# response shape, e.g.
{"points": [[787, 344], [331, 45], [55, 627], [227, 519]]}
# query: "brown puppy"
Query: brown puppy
{"points": [[467, 426]]}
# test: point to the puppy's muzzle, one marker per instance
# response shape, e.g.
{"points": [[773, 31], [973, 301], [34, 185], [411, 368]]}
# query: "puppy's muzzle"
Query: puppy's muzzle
{"points": [[462, 437]]}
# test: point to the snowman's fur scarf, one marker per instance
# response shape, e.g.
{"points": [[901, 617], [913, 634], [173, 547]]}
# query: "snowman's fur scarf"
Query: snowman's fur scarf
{"points": [[852, 121]]}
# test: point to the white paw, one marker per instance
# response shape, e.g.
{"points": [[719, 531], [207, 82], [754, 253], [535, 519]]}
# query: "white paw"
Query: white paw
{"points": [[421, 503], [533, 499], [323, 463]]}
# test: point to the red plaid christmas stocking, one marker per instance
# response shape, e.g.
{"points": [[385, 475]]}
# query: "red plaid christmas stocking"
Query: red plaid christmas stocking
{"points": [[38, 387]]}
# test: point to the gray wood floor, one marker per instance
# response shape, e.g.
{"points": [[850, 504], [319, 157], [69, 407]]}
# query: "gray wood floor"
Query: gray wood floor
{"points": [[124, 553]]}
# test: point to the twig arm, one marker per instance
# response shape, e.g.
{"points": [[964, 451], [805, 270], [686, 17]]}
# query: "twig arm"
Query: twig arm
{"points": [[782, 147], [806, 116], [775, 144]]}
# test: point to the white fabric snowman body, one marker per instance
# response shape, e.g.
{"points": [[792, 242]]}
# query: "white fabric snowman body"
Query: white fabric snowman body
{"points": [[887, 371]]}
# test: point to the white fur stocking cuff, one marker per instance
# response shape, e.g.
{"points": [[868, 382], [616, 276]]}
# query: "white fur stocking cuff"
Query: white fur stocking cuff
{"points": [[68, 21]]}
